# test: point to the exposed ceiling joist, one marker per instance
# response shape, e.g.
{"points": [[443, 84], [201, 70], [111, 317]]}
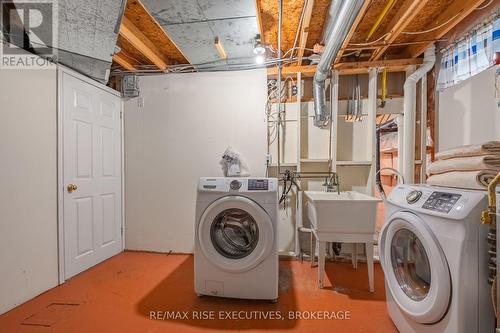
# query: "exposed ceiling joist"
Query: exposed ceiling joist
{"points": [[259, 20], [456, 12], [349, 68], [358, 19], [135, 37], [120, 59], [393, 63], [408, 11], [304, 30], [137, 13]]}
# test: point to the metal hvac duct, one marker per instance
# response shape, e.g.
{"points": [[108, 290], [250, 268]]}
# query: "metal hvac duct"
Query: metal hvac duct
{"points": [[341, 16]]}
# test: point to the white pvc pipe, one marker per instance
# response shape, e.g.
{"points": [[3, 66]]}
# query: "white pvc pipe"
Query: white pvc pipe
{"points": [[423, 129], [409, 110], [372, 123]]}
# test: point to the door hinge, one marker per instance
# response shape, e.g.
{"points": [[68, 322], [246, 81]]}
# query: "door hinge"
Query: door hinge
{"points": [[121, 114]]}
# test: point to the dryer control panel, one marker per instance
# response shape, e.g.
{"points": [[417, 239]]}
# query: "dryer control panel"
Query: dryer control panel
{"points": [[439, 201]]}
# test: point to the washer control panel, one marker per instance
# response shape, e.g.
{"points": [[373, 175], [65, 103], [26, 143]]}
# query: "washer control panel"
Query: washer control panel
{"points": [[258, 184], [224, 184], [441, 202]]}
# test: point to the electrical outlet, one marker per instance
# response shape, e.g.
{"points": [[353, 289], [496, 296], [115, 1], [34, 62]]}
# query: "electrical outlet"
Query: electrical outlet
{"points": [[140, 102]]}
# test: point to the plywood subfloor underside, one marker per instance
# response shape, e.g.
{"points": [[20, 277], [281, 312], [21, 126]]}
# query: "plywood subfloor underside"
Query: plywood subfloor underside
{"points": [[118, 295]]}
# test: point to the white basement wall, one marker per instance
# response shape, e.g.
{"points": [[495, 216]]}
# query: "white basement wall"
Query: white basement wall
{"points": [[468, 112], [175, 133], [28, 198]]}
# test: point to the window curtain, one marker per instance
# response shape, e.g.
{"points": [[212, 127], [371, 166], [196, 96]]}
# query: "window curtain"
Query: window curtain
{"points": [[470, 55]]}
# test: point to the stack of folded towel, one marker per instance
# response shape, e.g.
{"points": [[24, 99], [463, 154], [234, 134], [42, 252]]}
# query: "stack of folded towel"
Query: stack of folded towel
{"points": [[471, 167]]}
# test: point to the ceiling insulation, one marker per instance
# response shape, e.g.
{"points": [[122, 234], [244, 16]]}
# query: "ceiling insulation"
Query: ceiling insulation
{"points": [[87, 34], [80, 34], [194, 25]]}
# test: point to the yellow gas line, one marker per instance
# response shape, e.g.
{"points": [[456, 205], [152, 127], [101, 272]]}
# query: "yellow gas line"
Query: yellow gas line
{"points": [[379, 19]]}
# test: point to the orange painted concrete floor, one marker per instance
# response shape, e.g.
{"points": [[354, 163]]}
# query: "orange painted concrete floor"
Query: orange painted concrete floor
{"points": [[120, 294]]}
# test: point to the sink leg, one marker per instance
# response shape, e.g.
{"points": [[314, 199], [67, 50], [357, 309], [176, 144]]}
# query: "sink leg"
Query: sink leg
{"points": [[321, 263], [369, 263], [311, 248], [354, 256]]}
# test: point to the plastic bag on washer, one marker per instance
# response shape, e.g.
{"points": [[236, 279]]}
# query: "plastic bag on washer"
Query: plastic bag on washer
{"points": [[233, 165]]}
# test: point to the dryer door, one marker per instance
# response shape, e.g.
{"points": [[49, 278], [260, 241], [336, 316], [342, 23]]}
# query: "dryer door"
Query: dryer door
{"points": [[235, 234], [415, 268]]}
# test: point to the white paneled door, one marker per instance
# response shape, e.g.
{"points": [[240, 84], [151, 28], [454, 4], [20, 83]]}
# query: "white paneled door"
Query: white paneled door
{"points": [[91, 157]]}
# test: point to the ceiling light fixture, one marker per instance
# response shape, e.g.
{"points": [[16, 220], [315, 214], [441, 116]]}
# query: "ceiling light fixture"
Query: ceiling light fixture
{"points": [[220, 48], [259, 50]]}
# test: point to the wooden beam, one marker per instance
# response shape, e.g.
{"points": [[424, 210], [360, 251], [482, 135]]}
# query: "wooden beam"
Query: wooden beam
{"points": [[304, 30], [306, 71], [259, 20], [394, 63], [455, 12], [349, 68], [347, 40], [135, 37], [121, 59], [136, 12], [220, 48], [408, 11]]}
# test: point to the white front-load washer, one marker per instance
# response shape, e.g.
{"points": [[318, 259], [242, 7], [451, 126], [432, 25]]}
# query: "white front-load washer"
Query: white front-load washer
{"points": [[236, 251], [433, 251]]}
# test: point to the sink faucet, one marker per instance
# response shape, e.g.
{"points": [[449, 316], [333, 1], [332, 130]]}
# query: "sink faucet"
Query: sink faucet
{"points": [[332, 183]]}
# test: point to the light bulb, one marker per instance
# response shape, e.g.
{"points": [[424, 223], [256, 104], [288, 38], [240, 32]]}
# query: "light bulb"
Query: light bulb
{"points": [[259, 49], [259, 59]]}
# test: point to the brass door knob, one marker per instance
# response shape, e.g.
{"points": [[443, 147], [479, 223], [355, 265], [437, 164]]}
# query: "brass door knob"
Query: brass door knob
{"points": [[72, 187]]}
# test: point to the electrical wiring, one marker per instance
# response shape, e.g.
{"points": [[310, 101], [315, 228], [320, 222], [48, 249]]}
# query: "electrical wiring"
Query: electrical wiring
{"points": [[270, 47], [413, 32], [212, 66], [372, 42], [484, 6], [431, 29], [297, 48], [273, 116], [299, 26], [130, 57], [349, 54]]}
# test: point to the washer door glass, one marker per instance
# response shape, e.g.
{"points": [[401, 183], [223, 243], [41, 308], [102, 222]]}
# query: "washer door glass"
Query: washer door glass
{"points": [[234, 233], [410, 264], [415, 268]]}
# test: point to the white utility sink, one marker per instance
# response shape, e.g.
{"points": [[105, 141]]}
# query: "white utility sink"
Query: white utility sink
{"points": [[347, 212], [348, 217]]}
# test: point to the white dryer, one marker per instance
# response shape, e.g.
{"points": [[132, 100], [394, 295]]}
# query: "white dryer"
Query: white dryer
{"points": [[236, 251], [433, 252]]}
